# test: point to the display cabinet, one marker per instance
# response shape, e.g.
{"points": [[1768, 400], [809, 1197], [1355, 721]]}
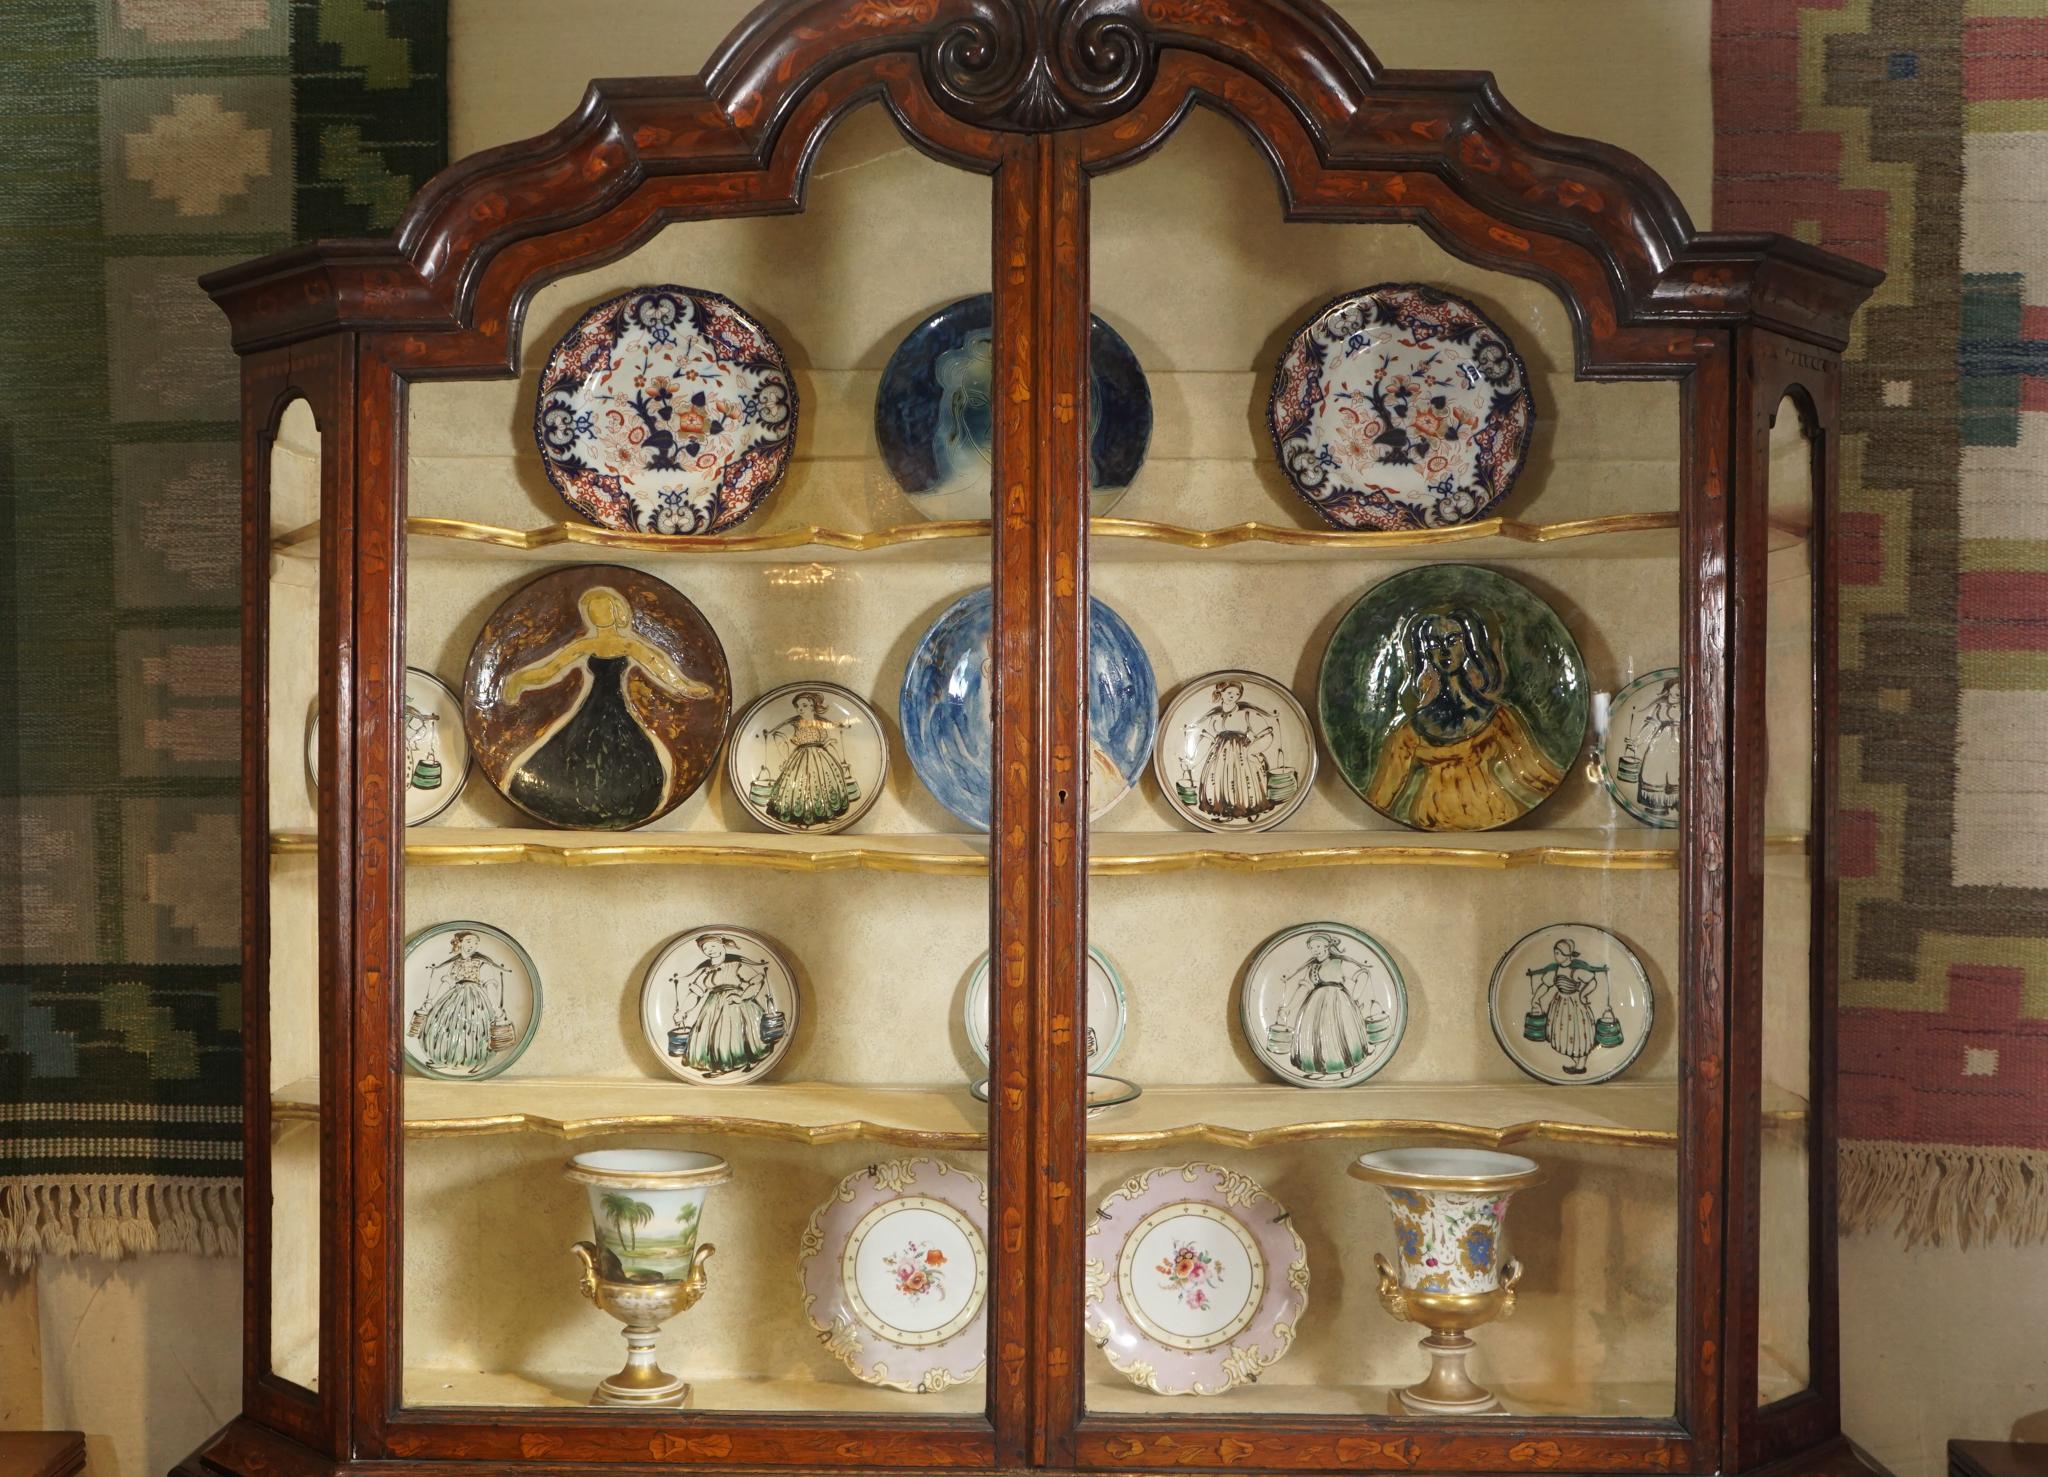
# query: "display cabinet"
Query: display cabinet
{"points": [[1082, 677]]}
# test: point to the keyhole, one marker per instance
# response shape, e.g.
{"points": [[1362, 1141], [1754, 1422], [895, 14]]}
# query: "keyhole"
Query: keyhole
{"points": [[1063, 797]]}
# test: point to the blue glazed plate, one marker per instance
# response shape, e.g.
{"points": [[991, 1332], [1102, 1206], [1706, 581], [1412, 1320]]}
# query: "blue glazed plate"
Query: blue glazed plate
{"points": [[935, 417], [944, 708]]}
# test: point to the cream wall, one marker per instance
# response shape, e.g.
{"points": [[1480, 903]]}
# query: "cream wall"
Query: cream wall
{"points": [[143, 1355]]}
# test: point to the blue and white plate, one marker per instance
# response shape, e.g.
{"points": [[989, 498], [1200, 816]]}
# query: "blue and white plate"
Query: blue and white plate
{"points": [[935, 416], [947, 688]]}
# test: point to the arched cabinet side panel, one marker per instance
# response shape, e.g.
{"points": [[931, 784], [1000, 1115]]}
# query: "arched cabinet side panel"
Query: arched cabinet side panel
{"points": [[316, 377], [1783, 1325]]}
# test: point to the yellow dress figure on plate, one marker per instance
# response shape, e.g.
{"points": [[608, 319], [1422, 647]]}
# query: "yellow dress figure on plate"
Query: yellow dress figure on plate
{"points": [[1464, 760]]}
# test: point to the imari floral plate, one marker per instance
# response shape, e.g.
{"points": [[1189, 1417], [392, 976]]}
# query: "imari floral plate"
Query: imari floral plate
{"points": [[1235, 752], [1639, 754], [1105, 1010], [894, 1270], [719, 1006], [472, 1001], [1571, 1003], [807, 759], [1323, 1005], [666, 410], [1400, 406], [1196, 1281]]}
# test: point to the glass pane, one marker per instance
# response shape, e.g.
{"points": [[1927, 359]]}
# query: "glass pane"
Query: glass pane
{"points": [[770, 972], [1785, 1193], [294, 678], [1374, 892]]}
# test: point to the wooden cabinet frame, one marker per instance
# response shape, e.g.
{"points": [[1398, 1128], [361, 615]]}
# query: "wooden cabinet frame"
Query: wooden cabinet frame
{"points": [[1040, 95]]}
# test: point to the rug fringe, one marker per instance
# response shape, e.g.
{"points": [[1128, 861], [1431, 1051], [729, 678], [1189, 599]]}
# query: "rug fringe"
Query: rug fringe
{"points": [[91, 1216], [1943, 1194]]}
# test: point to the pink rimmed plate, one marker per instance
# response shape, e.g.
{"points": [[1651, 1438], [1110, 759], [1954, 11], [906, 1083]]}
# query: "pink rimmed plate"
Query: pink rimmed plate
{"points": [[1195, 1280], [895, 1274]]}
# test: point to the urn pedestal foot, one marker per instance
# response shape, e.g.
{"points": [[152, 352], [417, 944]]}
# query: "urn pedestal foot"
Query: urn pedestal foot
{"points": [[1449, 1389], [643, 1383]]}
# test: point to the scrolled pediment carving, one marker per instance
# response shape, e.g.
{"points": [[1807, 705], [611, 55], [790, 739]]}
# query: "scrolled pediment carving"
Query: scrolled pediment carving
{"points": [[1040, 64]]}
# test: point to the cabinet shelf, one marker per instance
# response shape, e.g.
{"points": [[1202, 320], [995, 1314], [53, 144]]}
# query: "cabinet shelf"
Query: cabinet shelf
{"points": [[430, 1386], [1112, 854], [1618, 536], [1230, 1116]]}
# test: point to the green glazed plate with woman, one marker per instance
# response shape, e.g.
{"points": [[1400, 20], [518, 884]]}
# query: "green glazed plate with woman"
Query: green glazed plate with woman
{"points": [[1453, 698]]}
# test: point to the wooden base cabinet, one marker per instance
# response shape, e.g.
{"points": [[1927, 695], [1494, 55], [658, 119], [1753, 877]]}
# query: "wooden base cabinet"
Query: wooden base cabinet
{"points": [[1392, 651]]}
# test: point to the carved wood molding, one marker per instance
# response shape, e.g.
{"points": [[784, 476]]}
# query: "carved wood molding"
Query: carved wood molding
{"points": [[966, 78]]}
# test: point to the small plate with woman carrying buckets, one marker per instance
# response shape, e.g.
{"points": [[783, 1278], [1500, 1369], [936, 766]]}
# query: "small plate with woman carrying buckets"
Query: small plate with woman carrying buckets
{"points": [[1571, 1003], [719, 1006], [808, 758], [1235, 752], [436, 759], [894, 1271], [1195, 1280], [1106, 1010], [472, 1001], [1324, 1005], [1639, 754]]}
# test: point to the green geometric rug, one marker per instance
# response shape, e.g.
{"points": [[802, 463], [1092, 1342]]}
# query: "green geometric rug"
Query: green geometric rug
{"points": [[148, 141]]}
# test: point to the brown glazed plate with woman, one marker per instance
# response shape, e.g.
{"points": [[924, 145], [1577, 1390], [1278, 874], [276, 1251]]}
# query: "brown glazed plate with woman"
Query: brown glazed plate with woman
{"points": [[1453, 698], [597, 698]]}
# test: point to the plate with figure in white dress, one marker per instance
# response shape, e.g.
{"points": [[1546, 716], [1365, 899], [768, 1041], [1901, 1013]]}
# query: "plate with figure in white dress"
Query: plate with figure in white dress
{"points": [[1106, 1005], [1195, 1280], [1571, 1003], [808, 758], [1324, 1005], [472, 1001], [719, 1006], [1235, 752], [894, 1271], [1640, 757]]}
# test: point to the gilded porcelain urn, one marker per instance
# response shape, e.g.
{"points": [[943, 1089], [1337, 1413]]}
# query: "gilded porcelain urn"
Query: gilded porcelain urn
{"points": [[1451, 1272], [645, 1265]]}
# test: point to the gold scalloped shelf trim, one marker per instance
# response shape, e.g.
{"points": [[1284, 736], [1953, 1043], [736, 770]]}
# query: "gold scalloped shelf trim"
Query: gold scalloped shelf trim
{"points": [[970, 864], [813, 535], [1106, 1140], [1317, 538]]}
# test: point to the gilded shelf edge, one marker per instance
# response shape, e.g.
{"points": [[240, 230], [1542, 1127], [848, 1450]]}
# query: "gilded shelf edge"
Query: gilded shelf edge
{"points": [[774, 859], [1107, 1140], [812, 535]]}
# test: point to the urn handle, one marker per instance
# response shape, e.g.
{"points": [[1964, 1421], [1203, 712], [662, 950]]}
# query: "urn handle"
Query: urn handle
{"points": [[586, 1255], [1391, 1297], [1509, 1276]]}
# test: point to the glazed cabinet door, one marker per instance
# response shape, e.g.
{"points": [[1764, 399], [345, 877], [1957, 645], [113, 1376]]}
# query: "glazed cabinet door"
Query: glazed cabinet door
{"points": [[692, 790], [1383, 1010]]}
